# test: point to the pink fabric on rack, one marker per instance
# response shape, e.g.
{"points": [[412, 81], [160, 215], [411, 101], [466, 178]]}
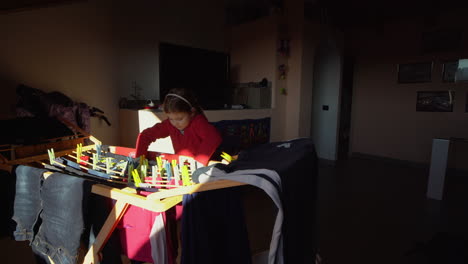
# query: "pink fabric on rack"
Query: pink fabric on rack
{"points": [[135, 228]]}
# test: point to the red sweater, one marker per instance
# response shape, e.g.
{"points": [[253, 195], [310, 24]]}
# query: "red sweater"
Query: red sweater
{"points": [[200, 138]]}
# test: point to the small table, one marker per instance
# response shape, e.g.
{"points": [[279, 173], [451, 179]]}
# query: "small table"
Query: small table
{"points": [[439, 161]]}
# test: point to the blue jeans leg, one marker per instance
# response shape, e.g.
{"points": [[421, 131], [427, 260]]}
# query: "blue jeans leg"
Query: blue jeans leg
{"points": [[27, 204]]}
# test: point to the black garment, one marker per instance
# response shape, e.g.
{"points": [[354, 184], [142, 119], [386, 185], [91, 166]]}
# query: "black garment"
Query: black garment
{"points": [[18, 131], [99, 208], [7, 225], [296, 163], [213, 228]]}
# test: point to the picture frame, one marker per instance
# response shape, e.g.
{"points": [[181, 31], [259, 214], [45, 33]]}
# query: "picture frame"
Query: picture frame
{"points": [[449, 69], [415, 72], [466, 103], [435, 101]]}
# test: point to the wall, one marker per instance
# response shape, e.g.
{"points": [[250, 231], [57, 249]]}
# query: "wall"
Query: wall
{"points": [[312, 35], [94, 50], [253, 57], [384, 120], [294, 12], [56, 49], [141, 25]]}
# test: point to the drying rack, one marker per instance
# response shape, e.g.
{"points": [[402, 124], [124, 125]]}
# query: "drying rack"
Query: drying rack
{"points": [[159, 201]]}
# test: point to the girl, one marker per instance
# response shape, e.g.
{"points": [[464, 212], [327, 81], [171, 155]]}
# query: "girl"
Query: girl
{"points": [[192, 136], [190, 132]]}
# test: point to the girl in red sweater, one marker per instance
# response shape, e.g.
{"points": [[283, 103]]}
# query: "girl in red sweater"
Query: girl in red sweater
{"points": [[190, 132], [192, 136]]}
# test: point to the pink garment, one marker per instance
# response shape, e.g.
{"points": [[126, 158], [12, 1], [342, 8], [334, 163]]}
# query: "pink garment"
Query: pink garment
{"points": [[135, 228]]}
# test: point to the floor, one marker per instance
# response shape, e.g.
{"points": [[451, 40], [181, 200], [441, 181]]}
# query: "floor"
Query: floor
{"points": [[370, 211], [374, 211]]}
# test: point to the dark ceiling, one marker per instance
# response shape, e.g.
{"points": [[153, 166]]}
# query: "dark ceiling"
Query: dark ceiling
{"points": [[361, 12], [341, 13], [15, 5]]}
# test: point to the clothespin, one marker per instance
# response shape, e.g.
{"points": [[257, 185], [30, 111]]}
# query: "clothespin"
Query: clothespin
{"points": [[51, 154], [108, 165], [124, 168], [159, 162], [193, 165], [175, 167], [142, 157], [182, 160], [154, 173], [95, 160], [98, 150], [130, 170], [226, 156], [136, 177], [143, 169], [168, 171], [79, 149], [185, 176]]}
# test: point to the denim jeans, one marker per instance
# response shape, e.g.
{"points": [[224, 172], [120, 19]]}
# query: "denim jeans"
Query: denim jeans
{"points": [[56, 204]]}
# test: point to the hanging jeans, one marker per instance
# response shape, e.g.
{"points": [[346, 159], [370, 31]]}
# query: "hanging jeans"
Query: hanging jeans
{"points": [[54, 207]]}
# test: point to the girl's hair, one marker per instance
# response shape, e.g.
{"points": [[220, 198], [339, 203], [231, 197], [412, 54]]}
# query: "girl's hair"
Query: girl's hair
{"points": [[181, 100]]}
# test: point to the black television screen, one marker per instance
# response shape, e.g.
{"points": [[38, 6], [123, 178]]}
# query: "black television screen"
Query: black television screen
{"points": [[206, 72]]}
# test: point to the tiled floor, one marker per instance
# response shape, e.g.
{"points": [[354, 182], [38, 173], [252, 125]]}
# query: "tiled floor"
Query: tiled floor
{"points": [[376, 212], [370, 211]]}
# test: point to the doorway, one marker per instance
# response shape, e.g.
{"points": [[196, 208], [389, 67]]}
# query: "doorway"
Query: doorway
{"points": [[345, 107]]}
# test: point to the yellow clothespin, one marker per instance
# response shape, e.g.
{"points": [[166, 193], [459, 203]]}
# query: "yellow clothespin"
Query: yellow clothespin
{"points": [[143, 171], [95, 160], [79, 149], [226, 156], [130, 171], [142, 158], [159, 162], [136, 178], [185, 176], [51, 156]]}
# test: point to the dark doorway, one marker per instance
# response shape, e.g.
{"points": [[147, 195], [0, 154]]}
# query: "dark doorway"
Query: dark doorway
{"points": [[345, 107]]}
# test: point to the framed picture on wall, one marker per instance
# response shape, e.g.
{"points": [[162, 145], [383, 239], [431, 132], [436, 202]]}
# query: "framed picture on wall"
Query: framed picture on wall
{"points": [[466, 103], [435, 101], [449, 69], [415, 72]]}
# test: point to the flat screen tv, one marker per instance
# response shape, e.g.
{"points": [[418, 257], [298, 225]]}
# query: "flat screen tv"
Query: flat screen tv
{"points": [[206, 72]]}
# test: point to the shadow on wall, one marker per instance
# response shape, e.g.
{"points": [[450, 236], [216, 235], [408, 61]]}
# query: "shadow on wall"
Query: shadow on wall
{"points": [[8, 98]]}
